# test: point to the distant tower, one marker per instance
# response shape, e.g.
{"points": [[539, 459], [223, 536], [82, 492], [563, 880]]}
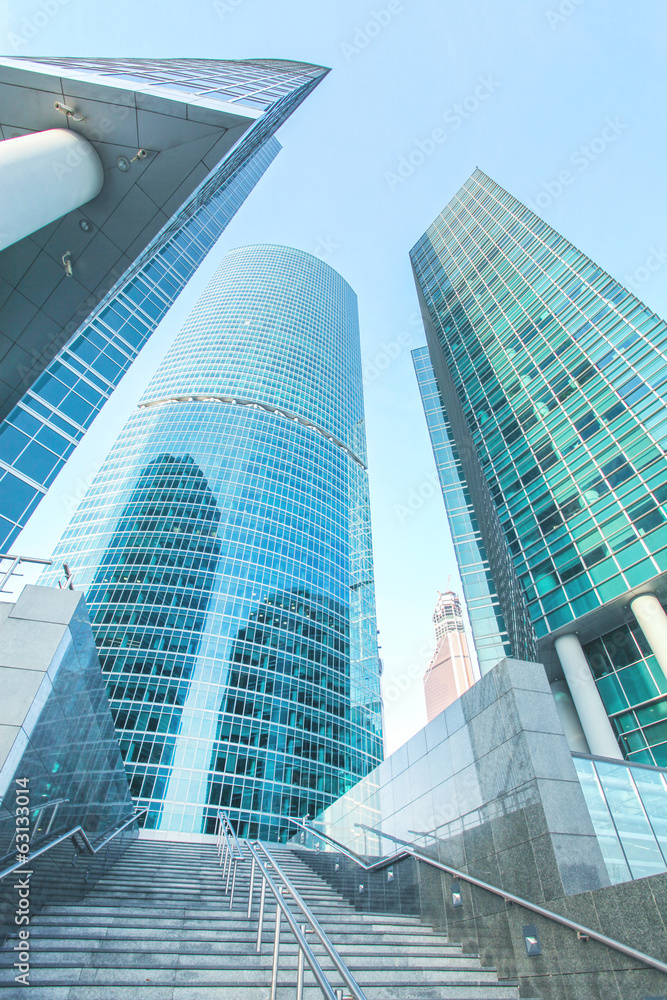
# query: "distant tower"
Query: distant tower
{"points": [[450, 672]]}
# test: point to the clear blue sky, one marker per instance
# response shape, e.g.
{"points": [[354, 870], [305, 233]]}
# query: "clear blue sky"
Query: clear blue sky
{"points": [[524, 89]]}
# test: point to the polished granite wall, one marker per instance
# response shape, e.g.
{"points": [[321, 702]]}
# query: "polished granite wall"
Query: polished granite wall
{"points": [[57, 732], [566, 968], [487, 787]]}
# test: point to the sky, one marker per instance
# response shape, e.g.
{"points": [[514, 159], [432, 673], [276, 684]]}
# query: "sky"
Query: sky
{"points": [[560, 101]]}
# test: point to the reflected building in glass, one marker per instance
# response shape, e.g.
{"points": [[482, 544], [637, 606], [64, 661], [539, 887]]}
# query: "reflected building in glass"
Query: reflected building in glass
{"points": [[225, 551], [544, 385]]}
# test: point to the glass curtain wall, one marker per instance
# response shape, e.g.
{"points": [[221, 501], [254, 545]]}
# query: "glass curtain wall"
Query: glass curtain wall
{"points": [[225, 551]]}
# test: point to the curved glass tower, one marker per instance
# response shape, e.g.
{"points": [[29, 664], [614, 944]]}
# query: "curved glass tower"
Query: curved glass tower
{"points": [[225, 550]]}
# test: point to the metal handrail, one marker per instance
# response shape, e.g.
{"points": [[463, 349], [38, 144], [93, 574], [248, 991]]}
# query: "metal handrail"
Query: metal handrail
{"points": [[225, 843], [228, 830], [229, 849], [583, 932], [299, 934], [72, 834], [38, 811], [342, 968]]}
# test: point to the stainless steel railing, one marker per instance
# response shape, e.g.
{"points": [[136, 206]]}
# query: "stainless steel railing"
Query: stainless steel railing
{"points": [[407, 851], [231, 852], [76, 831]]}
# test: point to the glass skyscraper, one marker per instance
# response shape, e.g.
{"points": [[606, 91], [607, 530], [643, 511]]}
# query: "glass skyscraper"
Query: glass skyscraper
{"points": [[544, 384], [243, 103], [225, 551]]}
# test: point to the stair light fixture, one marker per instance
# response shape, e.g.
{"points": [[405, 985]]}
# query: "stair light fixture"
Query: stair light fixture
{"points": [[457, 897], [531, 940]]}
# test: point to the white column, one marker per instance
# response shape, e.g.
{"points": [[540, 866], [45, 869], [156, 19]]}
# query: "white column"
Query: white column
{"points": [[43, 176], [576, 738], [592, 713], [652, 619]]}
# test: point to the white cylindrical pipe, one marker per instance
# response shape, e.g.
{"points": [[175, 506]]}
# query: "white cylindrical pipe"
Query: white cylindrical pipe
{"points": [[652, 619], [43, 176], [592, 713], [576, 737]]}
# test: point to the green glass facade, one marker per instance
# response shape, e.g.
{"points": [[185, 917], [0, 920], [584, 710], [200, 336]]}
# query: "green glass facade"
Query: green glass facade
{"points": [[553, 378], [225, 552]]}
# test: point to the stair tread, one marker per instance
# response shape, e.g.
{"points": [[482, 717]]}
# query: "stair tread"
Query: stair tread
{"points": [[160, 921]]}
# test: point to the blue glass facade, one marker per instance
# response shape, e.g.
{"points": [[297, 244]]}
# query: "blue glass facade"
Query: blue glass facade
{"points": [[554, 381], [492, 640], [225, 550], [43, 429]]}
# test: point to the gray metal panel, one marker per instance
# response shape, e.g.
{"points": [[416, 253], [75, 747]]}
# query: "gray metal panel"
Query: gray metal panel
{"points": [[129, 211], [134, 213], [106, 121], [40, 279], [162, 132], [91, 266], [30, 109], [15, 315]]}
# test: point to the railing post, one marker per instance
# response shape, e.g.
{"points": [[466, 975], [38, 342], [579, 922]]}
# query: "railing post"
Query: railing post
{"points": [[299, 971], [53, 816], [276, 949], [231, 897], [262, 900], [229, 867], [223, 861], [252, 884]]}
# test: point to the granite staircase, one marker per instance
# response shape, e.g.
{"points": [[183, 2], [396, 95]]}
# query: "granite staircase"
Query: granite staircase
{"points": [[159, 927]]}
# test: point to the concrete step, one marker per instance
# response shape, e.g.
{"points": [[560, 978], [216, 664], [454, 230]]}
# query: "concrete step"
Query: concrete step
{"points": [[230, 919], [179, 930], [458, 987], [80, 963], [100, 990], [159, 926], [178, 941], [147, 991], [166, 955]]}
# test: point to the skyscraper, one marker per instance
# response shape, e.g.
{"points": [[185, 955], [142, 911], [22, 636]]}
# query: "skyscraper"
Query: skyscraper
{"points": [[545, 387], [450, 671], [225, 551], [176, 145]]}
